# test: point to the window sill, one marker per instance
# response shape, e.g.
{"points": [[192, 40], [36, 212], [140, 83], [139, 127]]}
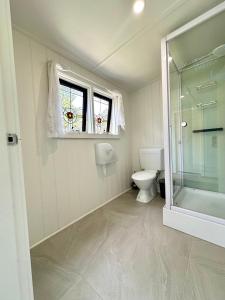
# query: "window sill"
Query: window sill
{"points": [[89, 136]]}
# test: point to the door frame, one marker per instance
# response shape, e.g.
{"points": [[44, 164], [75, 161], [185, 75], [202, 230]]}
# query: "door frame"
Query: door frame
{"points": [[15, 264]]}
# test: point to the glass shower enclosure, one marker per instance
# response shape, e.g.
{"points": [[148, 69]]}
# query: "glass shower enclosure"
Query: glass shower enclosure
{"points": [[193, 77]]}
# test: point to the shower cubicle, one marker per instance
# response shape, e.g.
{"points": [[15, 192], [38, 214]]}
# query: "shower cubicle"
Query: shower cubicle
{"points": [[193, 78]]}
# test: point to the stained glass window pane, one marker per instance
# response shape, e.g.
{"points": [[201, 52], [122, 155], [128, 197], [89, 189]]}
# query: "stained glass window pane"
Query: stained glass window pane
{"points": [[101, 114], [72, 100]]}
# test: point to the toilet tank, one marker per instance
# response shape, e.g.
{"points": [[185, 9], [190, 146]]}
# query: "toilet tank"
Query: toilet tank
{"points": [[151, 158]]}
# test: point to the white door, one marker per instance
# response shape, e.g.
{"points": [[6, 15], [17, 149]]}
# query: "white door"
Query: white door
{"points": [[15, 269]]}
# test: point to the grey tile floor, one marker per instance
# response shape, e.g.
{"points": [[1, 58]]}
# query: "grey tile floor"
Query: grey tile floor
{"points": [[122, 251]]}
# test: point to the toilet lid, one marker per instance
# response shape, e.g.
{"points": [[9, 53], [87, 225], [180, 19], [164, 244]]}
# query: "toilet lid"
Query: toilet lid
{"points": [[143, 175]]}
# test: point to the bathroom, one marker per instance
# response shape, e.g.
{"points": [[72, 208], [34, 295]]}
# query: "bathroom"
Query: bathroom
{"points": [[122, 194]]}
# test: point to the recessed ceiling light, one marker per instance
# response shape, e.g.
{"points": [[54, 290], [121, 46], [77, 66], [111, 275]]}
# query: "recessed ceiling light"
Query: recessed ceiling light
{"points": [[138, 6]]}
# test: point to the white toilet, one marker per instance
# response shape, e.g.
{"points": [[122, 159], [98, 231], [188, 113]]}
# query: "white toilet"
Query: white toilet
{"points": [[151, 161]]}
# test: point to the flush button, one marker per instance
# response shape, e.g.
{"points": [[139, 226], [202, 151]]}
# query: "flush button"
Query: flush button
{"points": [[12, 139]]}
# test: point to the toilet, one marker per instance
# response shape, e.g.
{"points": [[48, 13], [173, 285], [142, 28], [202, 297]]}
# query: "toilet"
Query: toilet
{"points": [[151, 162]]}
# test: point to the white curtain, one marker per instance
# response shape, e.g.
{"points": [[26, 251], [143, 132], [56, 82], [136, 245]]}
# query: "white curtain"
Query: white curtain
{"points": [[117, 118], [55, 120]]}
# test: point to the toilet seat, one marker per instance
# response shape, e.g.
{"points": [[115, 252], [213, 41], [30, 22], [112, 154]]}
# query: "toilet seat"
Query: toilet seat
{"points": [[144, 175]]}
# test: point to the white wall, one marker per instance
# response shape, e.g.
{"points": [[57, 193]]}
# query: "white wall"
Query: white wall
{"points": [[61, 178], [146, 119]]}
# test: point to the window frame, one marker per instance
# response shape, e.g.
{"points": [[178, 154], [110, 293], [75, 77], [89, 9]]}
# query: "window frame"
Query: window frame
{"points": [[75, 86], [109, 116]]}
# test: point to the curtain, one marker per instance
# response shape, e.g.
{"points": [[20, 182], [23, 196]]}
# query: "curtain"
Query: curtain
{"points": [[55, 120], [117, 117]]}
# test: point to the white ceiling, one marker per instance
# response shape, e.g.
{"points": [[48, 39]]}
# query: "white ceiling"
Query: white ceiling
{"points": [[105, 36]]}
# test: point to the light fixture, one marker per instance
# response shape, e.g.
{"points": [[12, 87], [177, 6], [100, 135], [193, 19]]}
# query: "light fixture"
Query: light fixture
{"points": [[182, 97], [138, 6]]}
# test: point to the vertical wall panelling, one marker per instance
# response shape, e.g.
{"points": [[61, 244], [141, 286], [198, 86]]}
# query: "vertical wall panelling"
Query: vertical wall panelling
{"points": [[28, 134], [39, 77], [61, 178], [146, 119]]}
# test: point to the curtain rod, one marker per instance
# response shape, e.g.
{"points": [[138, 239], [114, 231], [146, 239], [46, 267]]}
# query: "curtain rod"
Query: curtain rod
{"points": [[83, 77]]}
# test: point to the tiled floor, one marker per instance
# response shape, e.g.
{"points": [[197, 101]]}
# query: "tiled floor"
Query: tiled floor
{"points": [[122, 251]]}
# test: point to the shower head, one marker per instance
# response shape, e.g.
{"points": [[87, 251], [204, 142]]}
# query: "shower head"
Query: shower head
{"points": [[219, 51]]}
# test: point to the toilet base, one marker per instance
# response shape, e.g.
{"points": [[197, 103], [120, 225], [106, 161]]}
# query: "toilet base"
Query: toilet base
{"points": [[145, 196]]}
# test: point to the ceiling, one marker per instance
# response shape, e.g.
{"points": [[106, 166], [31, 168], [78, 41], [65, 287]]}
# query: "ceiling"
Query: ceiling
{"points": [[105, 36]]}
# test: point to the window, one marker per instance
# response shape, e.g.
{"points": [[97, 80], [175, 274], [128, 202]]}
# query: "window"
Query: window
{"points": [[75, 112], [102, 113], [74, 103]]}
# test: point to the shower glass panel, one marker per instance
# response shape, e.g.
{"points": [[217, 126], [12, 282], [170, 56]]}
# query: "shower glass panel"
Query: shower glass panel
{"points": [[197, 117], [176, 146], [202, 108]]}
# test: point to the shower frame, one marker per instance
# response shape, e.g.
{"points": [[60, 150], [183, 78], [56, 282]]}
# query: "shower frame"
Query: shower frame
{"points": [[197, 224]]}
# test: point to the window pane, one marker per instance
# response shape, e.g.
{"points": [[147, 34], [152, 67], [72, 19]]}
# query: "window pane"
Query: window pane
{"points": [[101, 111], [73, 103]]}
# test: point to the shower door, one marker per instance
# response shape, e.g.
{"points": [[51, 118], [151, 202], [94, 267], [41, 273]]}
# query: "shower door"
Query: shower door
{"points": [[201, 138], [193, 81], [196, 65], [202, 110]]}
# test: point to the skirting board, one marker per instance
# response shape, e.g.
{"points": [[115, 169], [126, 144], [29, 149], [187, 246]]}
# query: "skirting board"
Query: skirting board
{"points": [[197, 227], [88, 213]]}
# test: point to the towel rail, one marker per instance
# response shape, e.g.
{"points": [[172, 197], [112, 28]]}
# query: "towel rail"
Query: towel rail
{"points": [[208, 130]]}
